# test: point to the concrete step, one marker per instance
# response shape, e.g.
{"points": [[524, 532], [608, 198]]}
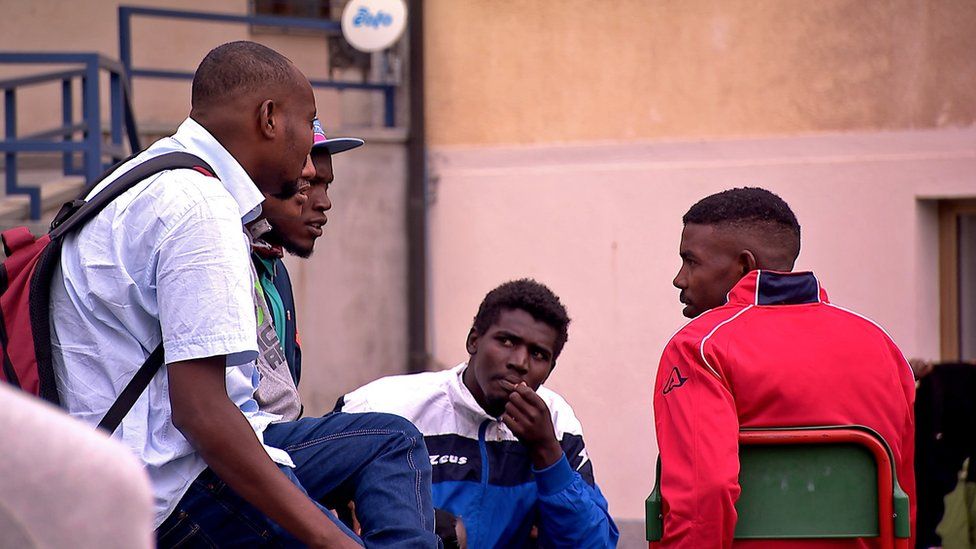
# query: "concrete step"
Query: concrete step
{"points": [[56, 189]]}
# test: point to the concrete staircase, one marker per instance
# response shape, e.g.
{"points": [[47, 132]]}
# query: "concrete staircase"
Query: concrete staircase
{"points": [[44, 170], [56, 189]]}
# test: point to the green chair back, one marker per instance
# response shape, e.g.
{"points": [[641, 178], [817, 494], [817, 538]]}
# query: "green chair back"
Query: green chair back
{"points": [[793, 491], [807, 492]]}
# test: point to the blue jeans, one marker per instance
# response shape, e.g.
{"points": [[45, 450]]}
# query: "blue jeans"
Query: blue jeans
{"points": [[377, 460]]}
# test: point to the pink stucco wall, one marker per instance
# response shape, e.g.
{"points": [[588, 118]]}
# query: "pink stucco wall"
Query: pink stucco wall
{"points": [[600, 225]]}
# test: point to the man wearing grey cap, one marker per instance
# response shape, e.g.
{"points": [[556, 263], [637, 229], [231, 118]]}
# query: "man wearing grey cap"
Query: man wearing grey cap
{"points": [[348, 443], [297, 236]]}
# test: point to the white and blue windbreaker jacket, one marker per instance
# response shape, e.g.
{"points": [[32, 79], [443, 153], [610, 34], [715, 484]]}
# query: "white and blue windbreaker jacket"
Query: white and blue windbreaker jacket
{"points": [[484, 475]]}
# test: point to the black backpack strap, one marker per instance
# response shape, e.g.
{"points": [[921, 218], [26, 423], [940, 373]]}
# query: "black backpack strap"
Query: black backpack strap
{"points": [[68, 209], [76, 213], [73, 216], [139, 382]]}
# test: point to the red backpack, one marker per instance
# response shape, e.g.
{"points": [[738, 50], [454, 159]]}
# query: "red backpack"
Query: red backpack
{"points": [[25, 290]]}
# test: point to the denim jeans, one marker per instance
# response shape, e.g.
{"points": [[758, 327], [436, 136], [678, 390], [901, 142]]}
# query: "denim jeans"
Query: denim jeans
{"points": [[377, 460]]}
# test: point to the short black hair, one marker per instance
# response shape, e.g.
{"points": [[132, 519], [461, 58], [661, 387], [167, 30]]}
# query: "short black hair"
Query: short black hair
{"points": [[749, 207], [530, 296], [236, 68]]}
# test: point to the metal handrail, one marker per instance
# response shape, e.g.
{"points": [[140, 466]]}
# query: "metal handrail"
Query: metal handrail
{"points": [[39, 78], [59, 139], [126, 13]]}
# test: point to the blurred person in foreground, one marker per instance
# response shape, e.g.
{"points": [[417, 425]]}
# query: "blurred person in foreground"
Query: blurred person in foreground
{"points": [[508, 454], [61, 483], [765, 348]]}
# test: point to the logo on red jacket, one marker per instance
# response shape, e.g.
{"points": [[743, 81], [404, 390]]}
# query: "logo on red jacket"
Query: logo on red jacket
{"points": [[675, 380]]}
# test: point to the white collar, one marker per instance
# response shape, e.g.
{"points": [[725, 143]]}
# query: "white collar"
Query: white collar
{"points": [[465, 399], [195, 138]]}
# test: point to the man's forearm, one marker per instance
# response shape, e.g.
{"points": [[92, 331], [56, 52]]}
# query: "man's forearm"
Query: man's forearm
{"points": [[572, 513], [544, 455], [223, 437]]}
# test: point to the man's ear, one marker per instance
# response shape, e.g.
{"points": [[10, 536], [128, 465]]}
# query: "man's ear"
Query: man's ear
{"points": [[748, 261], [266, 118], [472, 342]]}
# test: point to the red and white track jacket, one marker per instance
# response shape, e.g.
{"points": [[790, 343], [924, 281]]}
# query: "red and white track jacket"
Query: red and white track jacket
{"points": [[777, 354]]}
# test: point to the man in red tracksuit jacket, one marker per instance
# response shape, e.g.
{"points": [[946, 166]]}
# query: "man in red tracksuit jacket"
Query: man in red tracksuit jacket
{"points": [[765, 348]]}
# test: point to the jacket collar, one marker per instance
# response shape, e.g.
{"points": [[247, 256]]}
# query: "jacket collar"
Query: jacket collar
{"points": [[778, 288], [462, 398]]}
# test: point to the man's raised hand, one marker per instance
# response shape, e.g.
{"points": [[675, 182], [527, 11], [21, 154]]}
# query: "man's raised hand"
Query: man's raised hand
{"points": [[528, 417]]}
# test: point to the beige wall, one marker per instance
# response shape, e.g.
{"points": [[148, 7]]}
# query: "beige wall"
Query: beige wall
{"points": [[92, 26], [600, 224], [543, 71], [568, 137]]}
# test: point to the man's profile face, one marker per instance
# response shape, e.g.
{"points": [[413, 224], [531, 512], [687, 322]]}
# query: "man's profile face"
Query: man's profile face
{"points": [[293, 118], [710, 267], [298, 233], [517, 348]]}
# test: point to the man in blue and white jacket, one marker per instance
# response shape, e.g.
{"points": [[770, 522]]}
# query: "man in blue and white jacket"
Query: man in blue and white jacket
{"points": [[507, 454]]}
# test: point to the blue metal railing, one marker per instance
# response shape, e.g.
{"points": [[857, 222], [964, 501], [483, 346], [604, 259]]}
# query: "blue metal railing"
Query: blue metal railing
{"points": [[126, 13], [61, 139]]}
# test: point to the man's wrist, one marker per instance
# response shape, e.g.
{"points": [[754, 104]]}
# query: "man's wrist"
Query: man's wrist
{"points": [[546, 454], [555, 478]]}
